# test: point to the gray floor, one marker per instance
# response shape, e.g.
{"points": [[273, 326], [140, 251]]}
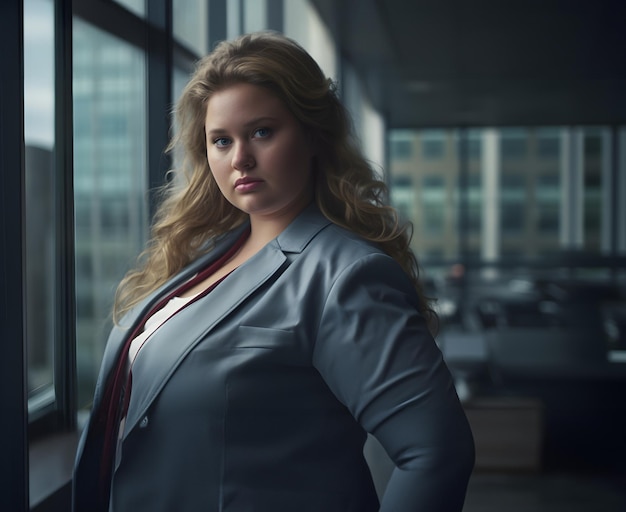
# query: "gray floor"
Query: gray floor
{"points": [[492, 492]]}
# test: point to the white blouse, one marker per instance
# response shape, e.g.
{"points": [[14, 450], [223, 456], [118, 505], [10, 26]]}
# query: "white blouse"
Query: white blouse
{"points": [[154, 322]]}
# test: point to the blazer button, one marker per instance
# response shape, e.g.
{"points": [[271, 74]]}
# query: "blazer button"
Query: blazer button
{"points": [[144, 422]]}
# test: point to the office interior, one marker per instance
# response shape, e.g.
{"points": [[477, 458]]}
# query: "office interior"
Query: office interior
{"points": [[500, 130]]}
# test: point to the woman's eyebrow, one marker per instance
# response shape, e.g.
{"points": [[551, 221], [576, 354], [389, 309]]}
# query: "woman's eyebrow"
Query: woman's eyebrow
{"points": [[247, 124]]}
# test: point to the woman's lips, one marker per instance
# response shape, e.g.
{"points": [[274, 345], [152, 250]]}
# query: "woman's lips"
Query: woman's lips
{"points": [[247, 184]]}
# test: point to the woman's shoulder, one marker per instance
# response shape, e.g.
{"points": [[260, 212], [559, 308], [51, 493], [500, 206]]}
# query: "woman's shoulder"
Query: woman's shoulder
{"points": [[347, 241], [312, 231], [336, 251]]}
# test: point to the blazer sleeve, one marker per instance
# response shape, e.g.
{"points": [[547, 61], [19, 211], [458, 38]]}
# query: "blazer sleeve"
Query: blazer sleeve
{"points": [[376, 354]]}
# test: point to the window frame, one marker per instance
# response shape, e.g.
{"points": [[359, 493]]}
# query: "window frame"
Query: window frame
{"points": [[58, 414], [13, 431], [50, 431]]}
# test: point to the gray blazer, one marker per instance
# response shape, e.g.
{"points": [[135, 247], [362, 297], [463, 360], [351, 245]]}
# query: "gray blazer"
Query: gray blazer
{"points": [[258, 397]]}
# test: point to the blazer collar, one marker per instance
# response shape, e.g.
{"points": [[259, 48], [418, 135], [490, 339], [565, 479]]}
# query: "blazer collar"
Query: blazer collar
{"points": [[302, 229]]}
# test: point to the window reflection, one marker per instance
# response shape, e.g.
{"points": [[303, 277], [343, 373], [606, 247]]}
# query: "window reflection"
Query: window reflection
{"points": [[433, 145], [190, 24], [39, 196], [522, 190], [512, 199], [255, 15], [548, 203], [513, 143], [135, 6], [109, 182]]}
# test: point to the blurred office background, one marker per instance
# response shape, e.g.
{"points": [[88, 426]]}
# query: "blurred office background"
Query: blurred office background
{"points": [[500, 128]]}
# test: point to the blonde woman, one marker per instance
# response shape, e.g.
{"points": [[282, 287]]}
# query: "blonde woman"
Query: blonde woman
{"points": [[274, 319]]}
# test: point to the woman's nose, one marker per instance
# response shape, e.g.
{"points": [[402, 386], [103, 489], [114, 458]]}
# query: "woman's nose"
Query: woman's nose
{"points": [[243, 157]]}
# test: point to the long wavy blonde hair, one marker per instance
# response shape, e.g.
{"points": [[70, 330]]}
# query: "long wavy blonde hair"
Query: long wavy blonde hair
{"points": [[192, 210]]}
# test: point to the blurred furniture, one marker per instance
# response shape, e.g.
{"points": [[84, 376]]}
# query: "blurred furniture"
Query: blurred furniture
{"points": [[583, 393], [508, 432]]}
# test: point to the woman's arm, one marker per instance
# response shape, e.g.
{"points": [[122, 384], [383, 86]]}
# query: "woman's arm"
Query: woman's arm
{"points": [[376, 354]]}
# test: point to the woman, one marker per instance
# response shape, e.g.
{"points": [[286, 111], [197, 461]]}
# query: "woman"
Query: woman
{"points": [[275, 318]]}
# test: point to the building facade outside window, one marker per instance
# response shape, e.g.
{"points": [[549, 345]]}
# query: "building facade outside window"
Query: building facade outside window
{"points": [[40, 199], [110, 183], [533, 172]]}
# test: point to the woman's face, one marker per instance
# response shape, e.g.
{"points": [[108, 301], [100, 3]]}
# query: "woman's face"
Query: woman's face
{"points": [[258, 152]]}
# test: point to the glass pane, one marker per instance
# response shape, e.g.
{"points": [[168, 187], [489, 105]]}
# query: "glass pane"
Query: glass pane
{"points": [[109, 182], [179, 81], [135, 6], [530, 193], [512, 201], [595, 217], [423, 186], [433, 144], [190, 20], [513, 144], [255, 15], [39, 201], [234, 18]]}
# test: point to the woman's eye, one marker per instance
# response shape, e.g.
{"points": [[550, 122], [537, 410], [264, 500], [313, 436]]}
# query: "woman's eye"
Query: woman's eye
{"points": [[262, 133], [221, 142]]}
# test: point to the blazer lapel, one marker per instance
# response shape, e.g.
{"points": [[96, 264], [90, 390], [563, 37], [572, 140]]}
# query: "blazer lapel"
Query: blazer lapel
{"points": [[136, 315], [179, 335]]}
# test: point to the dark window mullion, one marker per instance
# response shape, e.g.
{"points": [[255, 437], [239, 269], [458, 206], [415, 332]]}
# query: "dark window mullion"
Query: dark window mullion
{"points": [[275, 15], [13, 427], [114, 19], [65, 290], [614, 211], [159, 60], [216, 22]]}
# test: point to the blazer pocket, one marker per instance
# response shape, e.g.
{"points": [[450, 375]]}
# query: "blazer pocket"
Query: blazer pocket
{"points": [[282, 344], [251, 336]]}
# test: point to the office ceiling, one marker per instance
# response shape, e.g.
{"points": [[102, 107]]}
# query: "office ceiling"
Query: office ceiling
{"points": [[431, 63]]}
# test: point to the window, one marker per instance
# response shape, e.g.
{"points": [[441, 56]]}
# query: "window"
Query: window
{"points": [[190, 24], [434, 217], [593, 144], [549, 219], [403, 196], [474, 203], [512, 197], [532, 191], [548, 143], [40, 200], [474, 145], [594, 187], [254, 15], [433, 144], [137, 7], [401, 149], [433, 204], [512, 187], [422, 159], [513, 144], [433, 184], [548, 201], [110, 182]]}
